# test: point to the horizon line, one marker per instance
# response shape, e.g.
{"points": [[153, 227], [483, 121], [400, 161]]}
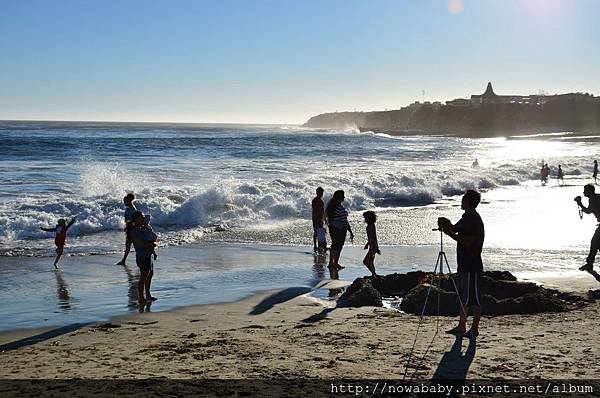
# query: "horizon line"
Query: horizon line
{"points": [[145, 122]]}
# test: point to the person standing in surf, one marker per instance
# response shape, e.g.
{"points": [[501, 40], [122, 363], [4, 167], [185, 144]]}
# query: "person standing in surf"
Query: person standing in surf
{"points": [[469, 234], [144, 242], [560, 176], [318, 221], [129, 210], [595, 172], [337, 219], [60, 238], [372, 244], [593, 207]]}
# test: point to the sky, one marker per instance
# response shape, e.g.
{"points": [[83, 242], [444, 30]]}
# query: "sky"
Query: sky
{"points": [[282, 61]]}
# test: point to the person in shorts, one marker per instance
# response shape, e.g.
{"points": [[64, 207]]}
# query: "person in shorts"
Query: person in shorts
{"points": [[318, 221], [144, 242], [129, 210], [469, 234]]}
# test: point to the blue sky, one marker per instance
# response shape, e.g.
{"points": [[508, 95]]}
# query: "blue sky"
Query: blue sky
{"points": [[282, 61]]}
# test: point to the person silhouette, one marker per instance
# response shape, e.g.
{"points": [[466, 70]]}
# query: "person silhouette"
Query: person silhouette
{"points": [[560, 175], [318, 220], [595, 172], [469, 235], [337, 218], [592, 207]]}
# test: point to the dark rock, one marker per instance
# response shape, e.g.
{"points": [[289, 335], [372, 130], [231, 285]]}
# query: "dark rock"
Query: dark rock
{"points": [[594, 295], [502, 294], [360, 294], [413, 301], [397, 284]]}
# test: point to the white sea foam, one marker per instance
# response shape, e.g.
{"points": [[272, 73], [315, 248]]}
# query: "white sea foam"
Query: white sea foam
{"points": [[238, 203]]}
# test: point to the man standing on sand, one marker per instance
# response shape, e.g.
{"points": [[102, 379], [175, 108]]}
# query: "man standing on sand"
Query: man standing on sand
{"points": [[593, 207], [318, 216], [595, 172], [469, 234]]}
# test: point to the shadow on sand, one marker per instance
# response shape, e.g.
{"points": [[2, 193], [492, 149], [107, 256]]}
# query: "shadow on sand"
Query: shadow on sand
{"points": [[38, 338], [278, 298], [455, 364]]}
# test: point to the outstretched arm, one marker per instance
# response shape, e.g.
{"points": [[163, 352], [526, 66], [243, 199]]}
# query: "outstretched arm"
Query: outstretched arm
{"points": [[71, 222], [48, 229]]}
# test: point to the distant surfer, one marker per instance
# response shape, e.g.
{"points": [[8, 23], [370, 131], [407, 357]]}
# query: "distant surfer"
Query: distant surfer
{"points": [[60, 237], [318, 221], [129, 210], [468, 233], [560, 175], [337, 217], [372, 244], [595, 174], [592, 207], [475, 164]]}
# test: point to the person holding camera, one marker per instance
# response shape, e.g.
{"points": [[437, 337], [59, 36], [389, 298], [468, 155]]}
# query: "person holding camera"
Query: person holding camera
{"points": [[469, 234], [593, 207]]}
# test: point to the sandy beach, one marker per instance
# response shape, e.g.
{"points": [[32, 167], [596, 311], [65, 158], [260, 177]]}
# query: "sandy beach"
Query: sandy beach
{"points": [[286, 334]]}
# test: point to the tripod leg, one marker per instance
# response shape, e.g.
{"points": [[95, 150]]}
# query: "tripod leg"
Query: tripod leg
{"points": [[462, 306], [438, 264]]}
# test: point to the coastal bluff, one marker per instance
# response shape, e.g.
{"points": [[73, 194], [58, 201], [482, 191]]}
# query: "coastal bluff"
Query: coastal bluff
{"points": [[478, 121]]}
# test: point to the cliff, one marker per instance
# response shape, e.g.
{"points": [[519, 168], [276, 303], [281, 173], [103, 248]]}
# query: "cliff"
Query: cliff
{"points": [[472, 121]]}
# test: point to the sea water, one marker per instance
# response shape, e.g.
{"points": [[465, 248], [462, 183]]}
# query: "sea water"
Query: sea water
{"points": [[230, 188]]}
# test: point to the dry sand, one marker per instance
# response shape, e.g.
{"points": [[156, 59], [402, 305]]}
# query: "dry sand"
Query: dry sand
{"points": [[266, 336]]}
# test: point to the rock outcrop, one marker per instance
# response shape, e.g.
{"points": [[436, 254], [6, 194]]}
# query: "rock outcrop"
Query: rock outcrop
{"points": [[502, 294]]}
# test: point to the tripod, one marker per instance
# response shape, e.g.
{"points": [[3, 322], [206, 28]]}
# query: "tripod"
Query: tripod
{"points": [[438, 272]]}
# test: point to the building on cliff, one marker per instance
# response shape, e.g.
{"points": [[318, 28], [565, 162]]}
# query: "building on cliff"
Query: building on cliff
{"points": [[489, 97]]}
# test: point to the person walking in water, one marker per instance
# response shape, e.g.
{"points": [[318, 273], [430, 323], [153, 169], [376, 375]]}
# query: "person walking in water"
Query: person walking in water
{"points": [[337, 218], [129, 210], [60, 237], [593, 207], [469, 234], [595, 173], [372, 244], [318, 219], [144, 242], [560, 176]]}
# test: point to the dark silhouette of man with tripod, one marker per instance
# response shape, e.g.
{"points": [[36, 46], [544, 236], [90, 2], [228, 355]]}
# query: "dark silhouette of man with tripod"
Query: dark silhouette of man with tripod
{"points": [[469, 234]]}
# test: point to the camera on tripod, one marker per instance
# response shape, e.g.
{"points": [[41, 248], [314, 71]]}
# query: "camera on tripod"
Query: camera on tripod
{"points": [[442, 222]]}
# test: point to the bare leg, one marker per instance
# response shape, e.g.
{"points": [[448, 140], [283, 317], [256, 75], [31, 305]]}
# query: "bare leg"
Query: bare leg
{"points": [[141, 284], [147, 286], [126, 253], [333, 258], [315, 240], [476, 318], [59, 252], [594, 247], [56, 260]]}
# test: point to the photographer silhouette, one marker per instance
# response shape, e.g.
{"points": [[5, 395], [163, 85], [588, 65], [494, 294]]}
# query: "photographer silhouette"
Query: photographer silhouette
{"points": [[468, 233], [593, 207]]}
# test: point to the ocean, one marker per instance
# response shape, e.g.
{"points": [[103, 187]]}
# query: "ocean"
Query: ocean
{"points": [[228, 189]]}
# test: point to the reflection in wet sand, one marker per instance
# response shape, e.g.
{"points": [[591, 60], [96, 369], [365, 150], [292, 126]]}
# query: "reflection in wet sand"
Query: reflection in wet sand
{"points": [[319, 267], [132, 291], [334, 275], [62, 291]]}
